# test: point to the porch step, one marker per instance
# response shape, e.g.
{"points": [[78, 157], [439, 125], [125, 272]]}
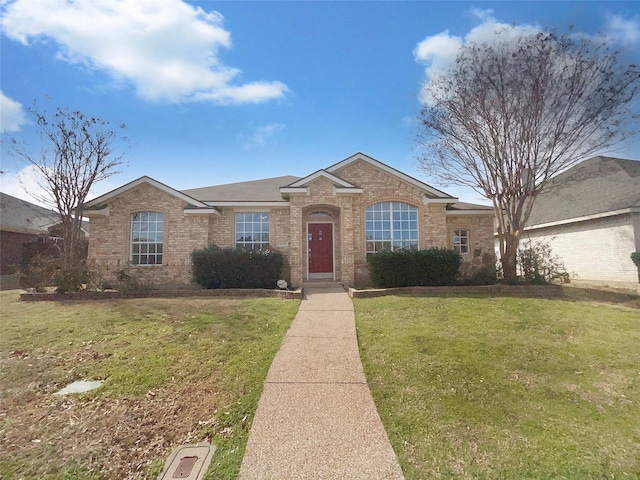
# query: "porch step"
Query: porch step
{"points": [[322, 284]]}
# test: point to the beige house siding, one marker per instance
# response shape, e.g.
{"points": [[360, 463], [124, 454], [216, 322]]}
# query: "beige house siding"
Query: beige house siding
{"points": [[481, 237], [596, 251], [221, 230], [110, 240], [342, 206]]}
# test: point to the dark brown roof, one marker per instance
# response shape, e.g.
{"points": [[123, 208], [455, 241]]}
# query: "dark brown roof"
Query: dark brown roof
{"points": [[599, 185]]}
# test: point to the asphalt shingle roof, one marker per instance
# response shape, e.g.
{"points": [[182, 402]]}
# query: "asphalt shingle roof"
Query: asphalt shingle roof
{"points": [[20, 216], [595, 186], [267, 190]]}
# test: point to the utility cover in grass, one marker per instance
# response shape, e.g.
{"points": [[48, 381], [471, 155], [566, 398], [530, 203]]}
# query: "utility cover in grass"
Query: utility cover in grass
{"points": [[80, 386], [189, 462]]}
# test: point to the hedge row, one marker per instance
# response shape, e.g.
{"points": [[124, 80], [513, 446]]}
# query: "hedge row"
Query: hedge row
{"points": [[431, 267], [214, 267]]}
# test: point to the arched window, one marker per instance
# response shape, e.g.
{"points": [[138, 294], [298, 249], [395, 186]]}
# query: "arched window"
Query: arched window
{"points": [[147, 236], [461, 240], [391, 226]]}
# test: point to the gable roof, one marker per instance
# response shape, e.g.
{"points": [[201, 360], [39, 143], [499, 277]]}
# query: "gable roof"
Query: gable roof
{"points": [[301, 186], [99, 203], [600, 186], [430, 191], [321, 174], [20, 216], [266, 190]]}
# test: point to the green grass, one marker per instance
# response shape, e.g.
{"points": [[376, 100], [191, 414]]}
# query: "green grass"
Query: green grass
{"points": [[505, 388], [175, 371]]}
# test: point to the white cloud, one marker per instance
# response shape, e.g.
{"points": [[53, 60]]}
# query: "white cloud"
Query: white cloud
{"points": [[623, 31], [438, 52], [26, 184], [260, 135], [12, 115], [167, 48]]}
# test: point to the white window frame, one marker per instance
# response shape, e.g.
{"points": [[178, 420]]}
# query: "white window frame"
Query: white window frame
{"points": [[147, 248], [254, 224], [391, 226], [459, 244]]}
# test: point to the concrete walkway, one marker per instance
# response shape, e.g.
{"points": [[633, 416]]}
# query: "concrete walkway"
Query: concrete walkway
{"points": [[316, 418]]}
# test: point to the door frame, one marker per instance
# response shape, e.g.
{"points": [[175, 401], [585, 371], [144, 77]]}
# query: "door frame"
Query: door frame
{"points": [[319, 276]]}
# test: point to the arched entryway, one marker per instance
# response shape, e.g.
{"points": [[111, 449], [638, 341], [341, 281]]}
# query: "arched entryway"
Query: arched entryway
{"points": [[321, 243]]}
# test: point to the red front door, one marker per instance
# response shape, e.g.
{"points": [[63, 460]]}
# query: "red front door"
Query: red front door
{"points": [[320, 246]]}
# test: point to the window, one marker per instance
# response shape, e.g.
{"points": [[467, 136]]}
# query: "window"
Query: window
{"points": [[147, 235], [252, 230], [461, 241], [391, 226]]}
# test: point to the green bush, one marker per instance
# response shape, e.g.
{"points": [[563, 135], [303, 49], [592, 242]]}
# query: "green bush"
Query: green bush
{"points": [[635, 257], [538, 265], [435, 266], [49, 271], [214, 267]]}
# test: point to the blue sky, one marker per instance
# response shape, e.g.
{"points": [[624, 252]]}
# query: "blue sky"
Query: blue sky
{"points": [[221, 92]]}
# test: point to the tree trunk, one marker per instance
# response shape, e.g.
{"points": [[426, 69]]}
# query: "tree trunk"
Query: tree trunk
{"points": [[509, 259]]}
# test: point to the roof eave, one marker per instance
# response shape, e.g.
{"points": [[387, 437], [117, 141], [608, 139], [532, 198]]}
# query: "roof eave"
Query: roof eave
{"points": [[584, 218], [248, 204], [470, 212]]}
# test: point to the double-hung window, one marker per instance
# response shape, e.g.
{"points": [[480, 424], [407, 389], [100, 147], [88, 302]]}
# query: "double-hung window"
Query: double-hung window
{"points": [[391, 226], [252, 230], [461, 241], [147, 237]]}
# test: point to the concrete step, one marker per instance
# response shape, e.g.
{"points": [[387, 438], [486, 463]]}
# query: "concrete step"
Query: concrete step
{"points": [[322, 284]]}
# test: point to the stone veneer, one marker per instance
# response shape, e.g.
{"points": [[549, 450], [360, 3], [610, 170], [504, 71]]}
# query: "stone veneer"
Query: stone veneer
{"points": [[184, 232]]}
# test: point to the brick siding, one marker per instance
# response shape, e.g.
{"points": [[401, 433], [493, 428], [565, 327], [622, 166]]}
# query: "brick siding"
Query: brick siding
{"points": [[598, 250], [110, 235]]}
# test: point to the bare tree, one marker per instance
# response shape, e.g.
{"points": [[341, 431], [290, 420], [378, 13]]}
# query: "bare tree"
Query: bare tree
{"points": [[512, 113], [76, 152]]}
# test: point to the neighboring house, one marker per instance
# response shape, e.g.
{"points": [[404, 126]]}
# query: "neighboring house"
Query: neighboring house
{"points": [[21, 222], [590, 216], [325, 223]]}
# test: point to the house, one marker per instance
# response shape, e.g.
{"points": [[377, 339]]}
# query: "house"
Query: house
{"points": [[590, 216], [21, 222], [325, 224]]}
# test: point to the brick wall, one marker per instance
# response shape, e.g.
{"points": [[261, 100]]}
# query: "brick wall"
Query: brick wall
{"points": [[110, 235], [481, 238], [597, 251], [109, 242]]}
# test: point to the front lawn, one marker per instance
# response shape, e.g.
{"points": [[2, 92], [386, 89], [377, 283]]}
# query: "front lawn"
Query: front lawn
{"points": [[505, 388], [176, 371]]}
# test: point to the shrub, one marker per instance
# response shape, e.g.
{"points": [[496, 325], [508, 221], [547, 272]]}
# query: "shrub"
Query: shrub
{"points": [[537, 264], [47, 271], [39, 272], [130, 280], [71, 278], [481, 270], [635, 257], [436, 266], [214, 267]]}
